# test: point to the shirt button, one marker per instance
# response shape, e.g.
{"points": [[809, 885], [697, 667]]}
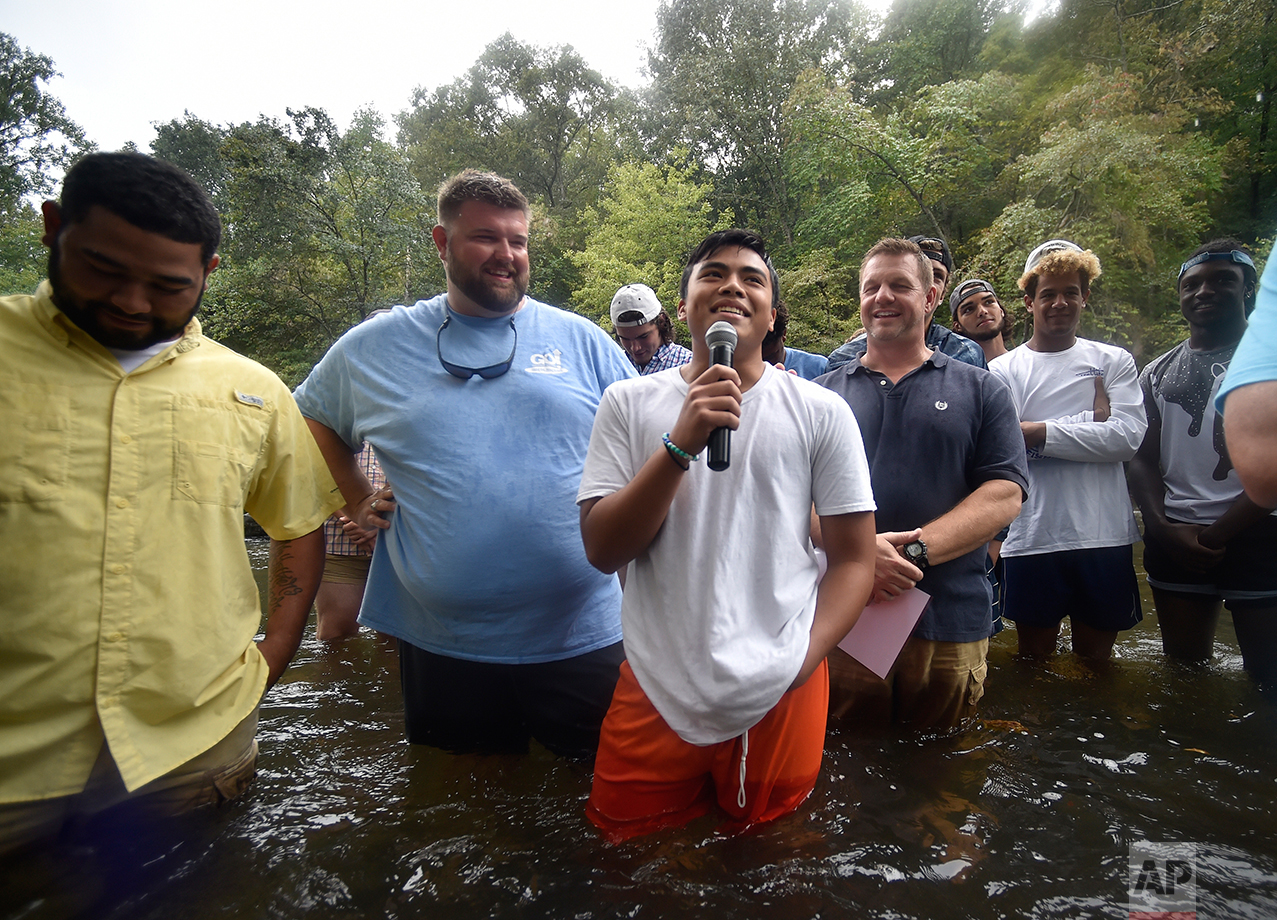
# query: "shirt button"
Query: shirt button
{"points": [[882, 383], [122, 503], [119, 568], [115, 636], [125, 439]]}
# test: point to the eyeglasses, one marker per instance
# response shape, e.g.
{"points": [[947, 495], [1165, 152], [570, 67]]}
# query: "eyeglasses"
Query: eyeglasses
{"points": [[465, 373], [1235, 255]]}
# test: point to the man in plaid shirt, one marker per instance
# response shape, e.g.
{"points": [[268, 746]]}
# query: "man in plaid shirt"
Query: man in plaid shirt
{"points": [[348, 554], [645, 331]]}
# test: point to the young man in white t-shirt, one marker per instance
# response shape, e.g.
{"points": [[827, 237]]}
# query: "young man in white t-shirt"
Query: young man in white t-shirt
{"points": [[725, 691], [1069, 552]]}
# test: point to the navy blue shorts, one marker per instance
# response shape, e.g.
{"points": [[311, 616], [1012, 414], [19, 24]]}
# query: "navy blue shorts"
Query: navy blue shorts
{"points": [[487, 708], [1093, 586], [1247, 574]]}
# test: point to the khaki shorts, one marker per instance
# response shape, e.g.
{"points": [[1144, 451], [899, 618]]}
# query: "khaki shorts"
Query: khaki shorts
{"points": [[219, 774], [933, 686], [346, 570]]}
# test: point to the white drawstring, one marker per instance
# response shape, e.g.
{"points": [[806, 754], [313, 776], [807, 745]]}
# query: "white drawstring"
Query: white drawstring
{"points": [[744, 751]]}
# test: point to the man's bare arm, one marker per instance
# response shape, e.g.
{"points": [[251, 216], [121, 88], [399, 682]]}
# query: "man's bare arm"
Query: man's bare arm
{"points": [[973, 522], [1250, 427], [343, 463], [849, 547], [296, 567]]}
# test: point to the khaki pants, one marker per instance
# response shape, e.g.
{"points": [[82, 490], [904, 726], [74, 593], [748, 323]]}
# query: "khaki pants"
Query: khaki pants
{"points": [[933, 686], [219, 774]]}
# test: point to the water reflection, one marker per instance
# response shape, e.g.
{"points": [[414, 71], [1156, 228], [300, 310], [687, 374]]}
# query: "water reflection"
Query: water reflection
{"points": [[1029, 814]]}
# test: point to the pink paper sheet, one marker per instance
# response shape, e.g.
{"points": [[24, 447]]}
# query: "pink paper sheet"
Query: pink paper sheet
{"points": [[880, 633]]}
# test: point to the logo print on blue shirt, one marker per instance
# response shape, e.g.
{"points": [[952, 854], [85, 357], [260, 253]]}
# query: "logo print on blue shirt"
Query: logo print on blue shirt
{"points": [[548, 362]]}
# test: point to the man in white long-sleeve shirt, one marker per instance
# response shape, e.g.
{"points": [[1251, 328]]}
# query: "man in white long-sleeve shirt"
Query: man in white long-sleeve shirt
{"points": [[1069, 551]]}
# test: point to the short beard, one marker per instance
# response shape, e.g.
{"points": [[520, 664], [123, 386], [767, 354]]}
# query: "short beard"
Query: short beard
{"points": [[84, 315]]}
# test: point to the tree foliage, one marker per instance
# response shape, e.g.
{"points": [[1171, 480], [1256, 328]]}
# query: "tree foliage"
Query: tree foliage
{"points": [[1136, 127], [647, 221], [37, 139]]}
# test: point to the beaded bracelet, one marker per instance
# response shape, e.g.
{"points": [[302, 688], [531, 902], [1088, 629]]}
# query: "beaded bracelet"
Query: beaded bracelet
{"points": [[677, 451]]}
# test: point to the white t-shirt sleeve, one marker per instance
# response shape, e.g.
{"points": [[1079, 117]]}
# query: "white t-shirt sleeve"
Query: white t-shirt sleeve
{"points": [[609, 464], [1116, 440], [840, 473]]}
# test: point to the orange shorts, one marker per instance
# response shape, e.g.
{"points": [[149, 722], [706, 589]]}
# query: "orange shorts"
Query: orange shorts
{"points": [[646, 777]]}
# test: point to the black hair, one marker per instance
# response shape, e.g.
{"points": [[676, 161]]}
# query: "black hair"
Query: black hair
{"points": [[150, 194], [721, 239]]}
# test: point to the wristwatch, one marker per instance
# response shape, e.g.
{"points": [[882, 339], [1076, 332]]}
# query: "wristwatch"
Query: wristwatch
{"points": [[916, 552]]}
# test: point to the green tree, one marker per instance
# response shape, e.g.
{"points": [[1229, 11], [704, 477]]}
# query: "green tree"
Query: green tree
{"points": [[647, 221], [722, 72], [22, 256], [36, 137], [1132, 185], [322, 227]]}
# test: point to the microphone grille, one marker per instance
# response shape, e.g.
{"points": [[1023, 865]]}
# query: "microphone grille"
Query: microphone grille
{"points": [[721, 333]]}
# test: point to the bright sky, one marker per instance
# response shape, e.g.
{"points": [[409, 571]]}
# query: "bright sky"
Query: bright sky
{"points": [[128, 63]]}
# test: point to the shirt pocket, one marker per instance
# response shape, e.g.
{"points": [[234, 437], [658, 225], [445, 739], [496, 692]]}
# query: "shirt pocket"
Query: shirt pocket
{"points": [[216, 446], [35, 450]]}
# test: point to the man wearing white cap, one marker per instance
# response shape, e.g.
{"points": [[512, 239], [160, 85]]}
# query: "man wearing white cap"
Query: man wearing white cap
{"points": [[644, 330], [1069, 551]]}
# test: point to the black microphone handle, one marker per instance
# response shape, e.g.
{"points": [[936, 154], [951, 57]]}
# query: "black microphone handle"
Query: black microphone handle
{"points": [[720, 439]]}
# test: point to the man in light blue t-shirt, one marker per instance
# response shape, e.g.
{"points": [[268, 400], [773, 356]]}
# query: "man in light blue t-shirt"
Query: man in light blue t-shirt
{"points": [[479, 404]]}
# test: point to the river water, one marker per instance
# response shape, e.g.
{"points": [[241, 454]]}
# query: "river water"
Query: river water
{"points": [[1031, 813]]}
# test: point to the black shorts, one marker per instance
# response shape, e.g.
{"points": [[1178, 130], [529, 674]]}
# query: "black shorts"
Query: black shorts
{"points": [[1247, 574], [1093, 586], [482, 707]]}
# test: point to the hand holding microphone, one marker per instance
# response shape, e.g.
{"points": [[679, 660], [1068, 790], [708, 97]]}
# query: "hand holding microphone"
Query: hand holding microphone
{"points": [[721, 339], [712, 406]]}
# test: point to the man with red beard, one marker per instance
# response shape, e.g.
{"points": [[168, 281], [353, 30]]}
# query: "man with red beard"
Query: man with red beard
{"points": [[478, 404]]}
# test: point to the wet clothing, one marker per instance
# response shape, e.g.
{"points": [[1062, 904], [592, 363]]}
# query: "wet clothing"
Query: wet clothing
{"points": [[129, 603], [931, 687], [646, 777], [932, 439], [718, 608], [1094, 586], [1246, 575], [496, 708], [940, 339], [483, 560]]}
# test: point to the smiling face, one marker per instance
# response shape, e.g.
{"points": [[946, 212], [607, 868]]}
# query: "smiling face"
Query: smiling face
{"points": [[126, 287], [980, 317], [485, 253], [1212, 297], [731, 284], [895, 303], [1056, 306]]}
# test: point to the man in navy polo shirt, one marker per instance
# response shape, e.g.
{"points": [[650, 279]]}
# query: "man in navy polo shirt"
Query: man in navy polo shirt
{"points": [[938, 338], [926, 419]]}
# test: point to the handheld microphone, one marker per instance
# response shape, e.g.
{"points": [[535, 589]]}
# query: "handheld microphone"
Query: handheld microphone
{"points": [[721, 339]]}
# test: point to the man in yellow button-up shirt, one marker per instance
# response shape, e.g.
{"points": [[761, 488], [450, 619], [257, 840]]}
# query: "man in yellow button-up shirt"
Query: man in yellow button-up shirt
{"points": [[131, 447]]}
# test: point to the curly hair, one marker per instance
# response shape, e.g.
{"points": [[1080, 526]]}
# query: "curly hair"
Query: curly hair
{"points": [[1062, 262]]}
